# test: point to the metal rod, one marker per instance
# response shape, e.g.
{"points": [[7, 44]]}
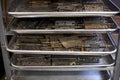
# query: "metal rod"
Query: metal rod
{"points": [[116, 72]]}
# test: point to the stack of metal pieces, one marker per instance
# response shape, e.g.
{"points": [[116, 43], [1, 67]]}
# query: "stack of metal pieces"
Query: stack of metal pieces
{"points": [[63, 23], [43, 60], [68, 42]]}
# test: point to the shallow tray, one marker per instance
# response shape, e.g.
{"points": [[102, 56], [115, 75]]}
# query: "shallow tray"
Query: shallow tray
{"points": [[67, 44], [63, 25], [58, 63], [62, 75], [29, 8]]}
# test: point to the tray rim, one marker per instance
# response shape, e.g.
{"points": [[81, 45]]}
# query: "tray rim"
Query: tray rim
{"points": [[64, 52], [61, 14], [43, 31], [27, 31], [100, 66]]}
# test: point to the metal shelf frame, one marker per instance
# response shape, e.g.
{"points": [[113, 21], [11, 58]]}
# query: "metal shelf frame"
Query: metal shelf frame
{"points": [[6, 59], [3, 44]]}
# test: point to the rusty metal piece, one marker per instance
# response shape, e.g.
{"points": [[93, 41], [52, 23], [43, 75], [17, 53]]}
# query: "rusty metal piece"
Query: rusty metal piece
{"points": [[72, 41], [93, 7]]}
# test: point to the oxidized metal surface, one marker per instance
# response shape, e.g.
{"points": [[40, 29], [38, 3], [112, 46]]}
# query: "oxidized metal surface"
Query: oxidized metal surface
{"points": [[60, 8], [68, 42], [63, 23], [42, 60]]}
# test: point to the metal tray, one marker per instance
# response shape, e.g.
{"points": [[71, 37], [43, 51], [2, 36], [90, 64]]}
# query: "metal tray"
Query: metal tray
{"points": [[61, 75], [62, 25], [59, 44], [61, 8], [58, 63]]}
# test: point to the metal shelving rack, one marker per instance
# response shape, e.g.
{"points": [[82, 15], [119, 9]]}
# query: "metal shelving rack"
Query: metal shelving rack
{"points": [[106, 69]]}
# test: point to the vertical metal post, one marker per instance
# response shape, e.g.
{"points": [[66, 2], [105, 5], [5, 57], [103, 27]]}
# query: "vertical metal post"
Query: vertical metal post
{"points": [[4, 10], [3, 46], [116, 73]]}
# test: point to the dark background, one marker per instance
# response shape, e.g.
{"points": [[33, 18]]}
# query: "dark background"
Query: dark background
{"points": [[1, 65]]}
